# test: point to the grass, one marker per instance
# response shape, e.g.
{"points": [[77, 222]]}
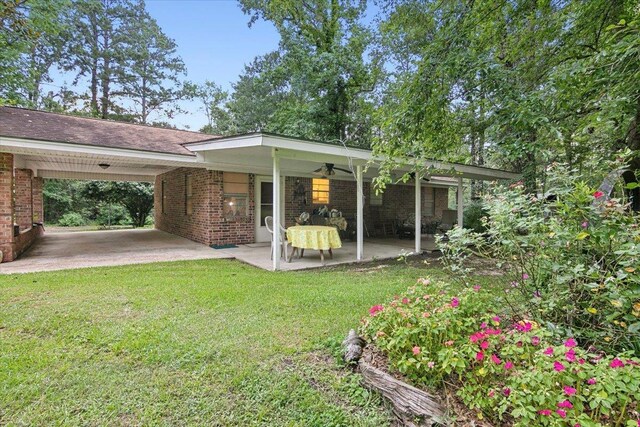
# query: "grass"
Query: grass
{"points": [[210, 342]]}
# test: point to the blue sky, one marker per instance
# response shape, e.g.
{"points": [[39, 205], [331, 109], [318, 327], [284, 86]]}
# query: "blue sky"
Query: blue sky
{"points": [[214, 41]]}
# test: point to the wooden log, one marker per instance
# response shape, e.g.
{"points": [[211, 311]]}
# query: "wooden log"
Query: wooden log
{"points": [[412, 405]]}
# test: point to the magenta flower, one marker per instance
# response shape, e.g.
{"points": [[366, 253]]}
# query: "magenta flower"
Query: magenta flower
{"points": [[558, 367], [581, 361], [570, 355], [548, 351], [375, 309], [416, 350], [545, 412], [477, 288], [565, 404], [455, 302], [525, 276], [496, 319], [479, 356], [570, 343], [591, 381], [535, 340], [495, 359], [616, 363], [598, 194], [484, 345], [523, 326], [569, 391], [491, 393], [483, 325], [508, 365], [405, 300], [585, 224], [562, 413], [506, 391]]}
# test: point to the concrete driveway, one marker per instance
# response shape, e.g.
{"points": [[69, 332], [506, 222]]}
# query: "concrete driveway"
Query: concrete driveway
{"points": [[60, 251]]}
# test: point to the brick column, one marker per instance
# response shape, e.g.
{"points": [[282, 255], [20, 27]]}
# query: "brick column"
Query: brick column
{"points": [[23, 201], [37, 198], [6, 206]]}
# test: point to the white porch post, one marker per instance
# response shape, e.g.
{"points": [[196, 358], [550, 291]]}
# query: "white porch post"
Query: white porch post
{"points": [[359, 215], [418, 213], [276, 210], [460, 208]]}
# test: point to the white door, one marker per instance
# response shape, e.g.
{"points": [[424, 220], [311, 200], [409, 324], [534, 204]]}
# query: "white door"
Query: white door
{"points": [[264, 205]]}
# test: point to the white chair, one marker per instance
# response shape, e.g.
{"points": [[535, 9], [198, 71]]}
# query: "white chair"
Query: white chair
{"points": [[284, 245]]}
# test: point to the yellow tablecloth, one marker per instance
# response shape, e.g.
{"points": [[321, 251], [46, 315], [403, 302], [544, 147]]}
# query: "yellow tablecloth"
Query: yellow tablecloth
{"points": [[316, 237]]}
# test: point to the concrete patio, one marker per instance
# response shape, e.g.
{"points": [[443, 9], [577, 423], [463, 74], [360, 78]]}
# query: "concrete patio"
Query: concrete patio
{"points": [[70, 250]]}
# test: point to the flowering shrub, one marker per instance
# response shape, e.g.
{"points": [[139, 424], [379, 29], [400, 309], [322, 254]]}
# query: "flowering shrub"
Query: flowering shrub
{"points": [[512, 371], [573, 261]]}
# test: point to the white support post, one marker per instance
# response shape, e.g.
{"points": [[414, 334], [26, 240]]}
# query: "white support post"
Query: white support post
{"points": [[460, 206], [359, 215], [418, 213], [276, 211]]}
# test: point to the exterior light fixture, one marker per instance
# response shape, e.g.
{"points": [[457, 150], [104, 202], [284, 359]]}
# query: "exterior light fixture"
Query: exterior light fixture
{"points": [[104, 165]]}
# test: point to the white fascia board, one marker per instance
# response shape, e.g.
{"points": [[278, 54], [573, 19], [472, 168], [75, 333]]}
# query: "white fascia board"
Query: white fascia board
{"points": [[242, 141], [316, 148], [29, 146]]}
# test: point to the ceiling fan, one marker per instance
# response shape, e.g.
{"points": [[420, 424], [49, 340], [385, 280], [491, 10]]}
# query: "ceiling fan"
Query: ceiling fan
{"points": [[328, 169]]}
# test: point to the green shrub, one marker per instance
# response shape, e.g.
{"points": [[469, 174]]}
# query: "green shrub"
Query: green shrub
{"points": [[474, 217], [506, 370], [573, 262], [113, 214], [72, 219]]}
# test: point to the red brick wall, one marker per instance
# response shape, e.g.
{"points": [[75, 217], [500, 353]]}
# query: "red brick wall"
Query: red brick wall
{"points": [[23, 199], [206, 224], [6, 206], [37, 199]]}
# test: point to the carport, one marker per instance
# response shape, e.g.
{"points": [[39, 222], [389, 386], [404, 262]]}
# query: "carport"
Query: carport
{"points": [[60, 251]]}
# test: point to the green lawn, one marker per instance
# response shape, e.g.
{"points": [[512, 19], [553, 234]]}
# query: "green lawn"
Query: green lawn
{"points": [[204, 342]]}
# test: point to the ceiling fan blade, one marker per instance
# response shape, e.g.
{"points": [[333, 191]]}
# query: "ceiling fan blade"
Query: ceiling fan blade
{"points": [[317, 170], [342, 170]]}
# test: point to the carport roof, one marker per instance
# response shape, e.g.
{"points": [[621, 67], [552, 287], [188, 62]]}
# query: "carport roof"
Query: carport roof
{"points": [[54, 127]]}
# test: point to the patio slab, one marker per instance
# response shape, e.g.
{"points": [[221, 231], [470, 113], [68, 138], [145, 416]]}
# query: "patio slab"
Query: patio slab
{"points": [[258, 254], [61, 251]]}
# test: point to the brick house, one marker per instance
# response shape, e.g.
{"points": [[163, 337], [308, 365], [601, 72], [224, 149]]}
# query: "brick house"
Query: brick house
{"points": [[213, 190]]}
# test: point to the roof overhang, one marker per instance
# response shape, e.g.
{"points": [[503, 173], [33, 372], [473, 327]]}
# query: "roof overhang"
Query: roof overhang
{"points": [[50, 159], [254, 153]]}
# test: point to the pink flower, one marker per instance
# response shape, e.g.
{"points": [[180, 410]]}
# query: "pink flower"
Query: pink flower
{"points": [[479, 356], [570, 355], [431, 365], [495, 359], [523, 326], [508, 365], [484, 345], [496, 319], [448, 343], [581, 361], [506, 391], [548, 351], [416, 350], [476, 287], [565, 404], [545, 412], [585, 224], [569, 391], [491, 393], [375, 309], [535, 340], [426, 314], [616, 363], [525, 276], [591, 381], [570, 343], [405, 300], [562, 413], [483, 325], [558, 367], [598, 194], [455, 302]]}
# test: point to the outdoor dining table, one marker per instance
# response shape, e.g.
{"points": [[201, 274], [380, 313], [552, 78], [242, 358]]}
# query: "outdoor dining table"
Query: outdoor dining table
{"points": [[317, 237]]}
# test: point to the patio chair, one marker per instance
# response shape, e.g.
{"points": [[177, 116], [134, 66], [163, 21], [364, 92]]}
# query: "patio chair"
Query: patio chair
{"points": [[284, 245]]}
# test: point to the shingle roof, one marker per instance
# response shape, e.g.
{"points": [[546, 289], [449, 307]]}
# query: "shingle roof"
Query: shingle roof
{"points": [[54, 127]]}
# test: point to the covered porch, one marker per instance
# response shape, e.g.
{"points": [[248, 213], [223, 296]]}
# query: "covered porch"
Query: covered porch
{"points": [[277, 157]]}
